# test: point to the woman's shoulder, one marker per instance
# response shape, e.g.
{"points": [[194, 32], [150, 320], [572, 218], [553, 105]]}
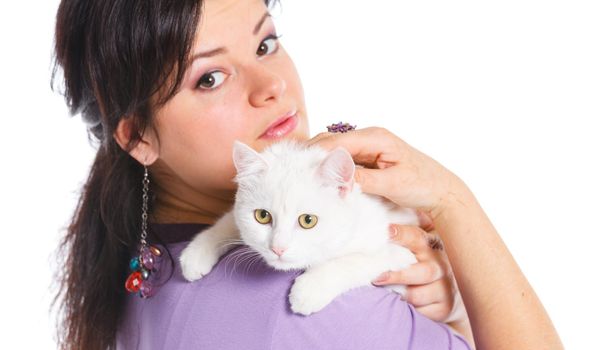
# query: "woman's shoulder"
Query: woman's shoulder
{"points": [[243, 303], [234, 306], [364, 318]]}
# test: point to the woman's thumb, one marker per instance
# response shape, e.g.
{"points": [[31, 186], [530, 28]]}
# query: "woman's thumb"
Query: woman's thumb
{"points": [[390, 183], [375, 181]]}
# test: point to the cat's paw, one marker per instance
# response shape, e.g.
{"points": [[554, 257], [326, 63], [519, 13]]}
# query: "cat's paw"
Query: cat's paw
{"points": [[197, 260], [308, 295]]}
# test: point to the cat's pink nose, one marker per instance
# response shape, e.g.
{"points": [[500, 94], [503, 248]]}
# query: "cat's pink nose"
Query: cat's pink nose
{"points": [[278, 251]]}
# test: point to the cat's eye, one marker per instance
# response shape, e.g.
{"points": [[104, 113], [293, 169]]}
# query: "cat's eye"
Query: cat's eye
{"points": [[307, 220], [262, 216]]}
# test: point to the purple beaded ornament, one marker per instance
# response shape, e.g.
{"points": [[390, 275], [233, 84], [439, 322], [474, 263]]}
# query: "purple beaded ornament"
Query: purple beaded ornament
{"points": [[145, 264], [340, 127]]}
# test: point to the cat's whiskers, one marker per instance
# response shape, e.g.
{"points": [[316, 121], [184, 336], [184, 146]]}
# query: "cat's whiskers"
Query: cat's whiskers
{"points": [[256, 257], [240, 256], [231, 242], [252, 262]]}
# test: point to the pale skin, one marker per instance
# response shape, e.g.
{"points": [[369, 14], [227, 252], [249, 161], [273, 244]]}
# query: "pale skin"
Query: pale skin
{"points": [[250, 83]]}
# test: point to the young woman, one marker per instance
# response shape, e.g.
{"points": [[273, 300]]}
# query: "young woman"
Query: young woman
{"points": [[166, 87]]}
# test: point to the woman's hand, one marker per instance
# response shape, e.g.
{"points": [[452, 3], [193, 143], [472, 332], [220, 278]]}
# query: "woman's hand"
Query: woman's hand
{"points": [[395, 170], [432, 288], [409, 178]]}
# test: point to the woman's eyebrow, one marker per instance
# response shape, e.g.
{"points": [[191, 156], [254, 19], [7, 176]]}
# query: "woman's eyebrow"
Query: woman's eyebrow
{"points": [[221, 50], [260, 23]]}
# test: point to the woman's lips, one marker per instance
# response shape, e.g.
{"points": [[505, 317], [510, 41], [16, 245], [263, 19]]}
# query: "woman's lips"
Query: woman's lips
{"points": [[281, 129]]}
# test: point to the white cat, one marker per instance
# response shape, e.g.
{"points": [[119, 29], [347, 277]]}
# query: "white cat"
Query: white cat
{"points": [[299, 208]]}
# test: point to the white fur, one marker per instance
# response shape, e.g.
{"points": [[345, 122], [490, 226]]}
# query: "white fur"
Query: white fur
{"points": [[348, 248]]}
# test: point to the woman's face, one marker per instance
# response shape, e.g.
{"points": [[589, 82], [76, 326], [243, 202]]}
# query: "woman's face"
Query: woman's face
{"points": [[245, 83]]}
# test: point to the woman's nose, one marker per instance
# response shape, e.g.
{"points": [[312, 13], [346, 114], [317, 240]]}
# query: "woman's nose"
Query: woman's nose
{"points": [[267, 86]]}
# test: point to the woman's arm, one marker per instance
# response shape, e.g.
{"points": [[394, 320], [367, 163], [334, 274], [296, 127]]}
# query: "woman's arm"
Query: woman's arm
{"points": [[503, 309]]}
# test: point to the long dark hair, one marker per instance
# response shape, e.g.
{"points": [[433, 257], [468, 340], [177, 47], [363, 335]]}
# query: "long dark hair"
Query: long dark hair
{"points": [[119, 59]]}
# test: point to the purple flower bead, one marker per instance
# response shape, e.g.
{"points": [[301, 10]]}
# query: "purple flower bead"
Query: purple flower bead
{"points": [[147, 259], [146, 290]]}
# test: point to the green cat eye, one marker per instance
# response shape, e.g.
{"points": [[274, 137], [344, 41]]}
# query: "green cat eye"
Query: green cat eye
{"points": [[307, 220], [262, 216]]}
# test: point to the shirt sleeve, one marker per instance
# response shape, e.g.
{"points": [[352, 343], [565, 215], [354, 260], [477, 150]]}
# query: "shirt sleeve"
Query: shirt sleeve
{"points": [[363, 318]]}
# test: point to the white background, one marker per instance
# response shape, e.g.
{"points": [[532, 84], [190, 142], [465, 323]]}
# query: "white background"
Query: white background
{"points": [[497, 91]]}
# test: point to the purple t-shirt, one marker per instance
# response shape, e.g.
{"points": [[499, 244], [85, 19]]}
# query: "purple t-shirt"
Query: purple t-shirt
{"points": [[242, 304]]}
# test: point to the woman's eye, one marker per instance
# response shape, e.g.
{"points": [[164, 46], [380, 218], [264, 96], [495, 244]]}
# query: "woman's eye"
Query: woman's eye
{"points": [[269, 45], [211, 80]]}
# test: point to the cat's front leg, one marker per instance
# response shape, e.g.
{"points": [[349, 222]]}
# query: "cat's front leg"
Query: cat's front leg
{"points": [[310, 294], [320, 284], [203, 252]]}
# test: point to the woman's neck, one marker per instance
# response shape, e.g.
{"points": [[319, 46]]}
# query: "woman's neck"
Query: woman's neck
{"points": [[176, 202], [171, 209]]}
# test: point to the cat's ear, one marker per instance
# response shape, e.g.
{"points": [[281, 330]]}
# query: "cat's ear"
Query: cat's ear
{"points": [[338, 170], [247, 161]]}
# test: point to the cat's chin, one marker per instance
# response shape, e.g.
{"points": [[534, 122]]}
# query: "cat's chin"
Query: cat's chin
{"points": [[284, 265]]}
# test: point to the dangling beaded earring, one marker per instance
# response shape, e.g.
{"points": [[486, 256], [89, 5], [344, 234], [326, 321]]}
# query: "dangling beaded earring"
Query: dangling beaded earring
{"points": [[145, 264]]}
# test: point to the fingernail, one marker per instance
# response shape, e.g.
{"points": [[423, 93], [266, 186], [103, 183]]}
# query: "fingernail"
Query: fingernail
{"points": [[381, 278], [393, 231]]}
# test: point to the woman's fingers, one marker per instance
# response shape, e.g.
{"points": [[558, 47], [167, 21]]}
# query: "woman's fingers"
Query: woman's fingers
{"points": [[374, 181], [372, 147], [431, 285], [419, 273], [427, 247], [416, 238], [378, 151], [412, 237], [436, 292], [429, 267], [393, 169], [437, 311], [426, 222]]}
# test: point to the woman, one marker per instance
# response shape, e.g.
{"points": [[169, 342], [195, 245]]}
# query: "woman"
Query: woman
{"points": [[170, 85]]}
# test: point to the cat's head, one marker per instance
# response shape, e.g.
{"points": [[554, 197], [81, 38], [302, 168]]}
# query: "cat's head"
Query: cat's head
{"points": [[294, 203]]}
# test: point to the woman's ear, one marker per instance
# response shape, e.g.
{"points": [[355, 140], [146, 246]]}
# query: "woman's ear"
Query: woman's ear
{"points": [[146, 150]]}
